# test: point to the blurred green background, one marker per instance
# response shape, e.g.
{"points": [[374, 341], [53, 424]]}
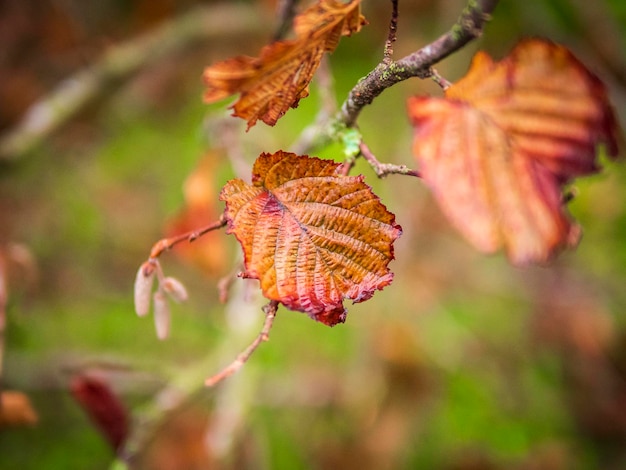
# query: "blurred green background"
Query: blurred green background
{"points": [[464, 362]]}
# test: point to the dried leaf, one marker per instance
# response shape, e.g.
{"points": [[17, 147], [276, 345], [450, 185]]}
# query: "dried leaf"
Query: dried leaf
{"points": [[279, 77], [310, 235], [498, 149]]}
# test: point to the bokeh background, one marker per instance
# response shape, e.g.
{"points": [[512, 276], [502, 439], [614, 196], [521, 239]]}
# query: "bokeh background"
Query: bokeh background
{"points": [[464, 362]]}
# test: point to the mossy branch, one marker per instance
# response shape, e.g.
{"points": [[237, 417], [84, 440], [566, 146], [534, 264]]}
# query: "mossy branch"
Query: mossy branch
{"points": [[387, 73]]}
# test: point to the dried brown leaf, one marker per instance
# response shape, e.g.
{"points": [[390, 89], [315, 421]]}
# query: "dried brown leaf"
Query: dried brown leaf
{"points": [[312, 236], [280, 76]]}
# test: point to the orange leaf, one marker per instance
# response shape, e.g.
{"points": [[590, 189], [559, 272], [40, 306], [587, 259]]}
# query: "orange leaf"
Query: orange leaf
{"points": [[311, 236], [16, 409], [280, 76], [498, 149]]}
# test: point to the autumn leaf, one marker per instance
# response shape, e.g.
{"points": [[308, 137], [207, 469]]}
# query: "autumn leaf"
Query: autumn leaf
{"points": [[276, 80], [16, 409], [499, 148], [312, 236], [103, 407]]}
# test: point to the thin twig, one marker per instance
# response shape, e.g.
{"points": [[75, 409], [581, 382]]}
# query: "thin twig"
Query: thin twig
{"points": [[118, 63], [418, 64], [167, 243], [393, 30], [184, 385], [384, 169], [439, 80], [270, 314]]}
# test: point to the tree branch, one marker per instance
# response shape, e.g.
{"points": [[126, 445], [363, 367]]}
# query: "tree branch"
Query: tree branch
{"points": [[270, 314], [468, 27], [167, 243]]}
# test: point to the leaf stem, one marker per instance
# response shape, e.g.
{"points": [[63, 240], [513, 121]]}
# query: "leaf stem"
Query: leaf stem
{"points": [[270, 314], [347, 165], [439, 79]]}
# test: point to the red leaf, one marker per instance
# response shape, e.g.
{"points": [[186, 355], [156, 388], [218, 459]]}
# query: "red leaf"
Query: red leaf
{"points": [[311, 236], [498, 149], [103, 407]]}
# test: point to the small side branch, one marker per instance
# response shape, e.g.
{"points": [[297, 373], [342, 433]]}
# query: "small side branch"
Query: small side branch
{"points": [[384, 169], [168, 243], [439, 80], [270, 314], [393, 31]]}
